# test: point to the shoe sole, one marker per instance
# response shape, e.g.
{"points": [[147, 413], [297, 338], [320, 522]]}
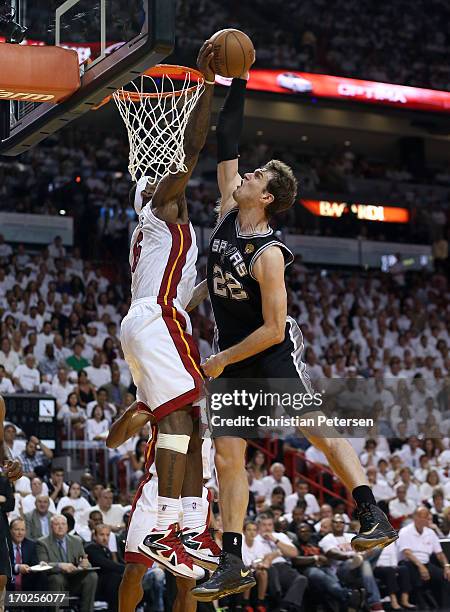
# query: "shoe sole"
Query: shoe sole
{"points": [[364, 545], [209, 597], [168, 566], [209, 565]]}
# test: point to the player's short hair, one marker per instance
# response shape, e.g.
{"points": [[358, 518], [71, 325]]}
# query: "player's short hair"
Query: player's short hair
{"points": [[282, 185]]}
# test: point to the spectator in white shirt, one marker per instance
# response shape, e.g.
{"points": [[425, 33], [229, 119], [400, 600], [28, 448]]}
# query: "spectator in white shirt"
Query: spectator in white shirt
{"points": [[56, 250], [14, 447], [97, 426], [109, 409], [73, 415], [61, 387], [370, 456], [112, 513], [254, 485], [98, 373], [416, 543], [430, 485], [421, 473], [428, 410], [26, 376], [74, 499], [9, 359], [37, 488], [276, 479], [344, 561], [276, 549], [251, 558], [380, 488], [412, 490], [325, 512], [394, 576], [6, 385], [401, 507], [302, 494], [5, 249]]}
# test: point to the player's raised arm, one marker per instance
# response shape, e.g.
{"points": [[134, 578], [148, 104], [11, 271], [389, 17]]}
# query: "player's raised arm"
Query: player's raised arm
{"points": [[172, 187], [228, 133]]}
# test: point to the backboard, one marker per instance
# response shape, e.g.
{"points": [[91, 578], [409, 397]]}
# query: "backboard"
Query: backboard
{"points": [[116, 40]]}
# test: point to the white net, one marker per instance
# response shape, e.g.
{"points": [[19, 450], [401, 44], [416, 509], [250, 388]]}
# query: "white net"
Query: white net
{"points": [[156, 112]]}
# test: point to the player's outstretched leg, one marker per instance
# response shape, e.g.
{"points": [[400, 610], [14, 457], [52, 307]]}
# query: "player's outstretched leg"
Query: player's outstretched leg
{"points": [[184, 601], [131, 591], [164, 543], [375, 530], [231, 576], [196, 534]]}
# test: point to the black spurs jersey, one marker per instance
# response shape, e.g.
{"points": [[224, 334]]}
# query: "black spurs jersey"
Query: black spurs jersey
{"points": [[234, 292]]}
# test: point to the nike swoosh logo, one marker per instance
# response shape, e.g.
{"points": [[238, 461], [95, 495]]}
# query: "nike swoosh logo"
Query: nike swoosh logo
{"points": [[371, 530], [245, 574]]}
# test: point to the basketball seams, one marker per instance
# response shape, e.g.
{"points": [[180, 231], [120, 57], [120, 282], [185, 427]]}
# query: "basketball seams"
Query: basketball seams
{"points": [[242, 49], [225, 46]]}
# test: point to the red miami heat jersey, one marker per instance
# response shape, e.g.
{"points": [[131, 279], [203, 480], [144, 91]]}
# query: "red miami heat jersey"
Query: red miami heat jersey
{"points": [[162, 260]]}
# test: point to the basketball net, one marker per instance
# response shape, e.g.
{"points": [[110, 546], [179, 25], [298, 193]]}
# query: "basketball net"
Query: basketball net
{"points": [[156, 112]]}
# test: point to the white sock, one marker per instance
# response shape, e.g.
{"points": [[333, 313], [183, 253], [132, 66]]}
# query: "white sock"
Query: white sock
{"points": [[168, 512], [192, 512]]}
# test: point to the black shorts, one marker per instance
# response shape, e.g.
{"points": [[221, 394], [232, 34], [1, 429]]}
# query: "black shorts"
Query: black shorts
{"points": [[278, 371]]}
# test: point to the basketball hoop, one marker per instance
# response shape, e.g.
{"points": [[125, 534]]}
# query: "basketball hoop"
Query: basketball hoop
{"points": [[156, 112]]}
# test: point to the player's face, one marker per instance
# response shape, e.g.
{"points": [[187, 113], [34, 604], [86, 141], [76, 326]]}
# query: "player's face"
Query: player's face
{"points": [[254, 188]]}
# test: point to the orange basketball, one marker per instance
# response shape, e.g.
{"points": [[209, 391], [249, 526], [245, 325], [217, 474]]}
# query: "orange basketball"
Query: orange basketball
{"points": [[234, 53]]}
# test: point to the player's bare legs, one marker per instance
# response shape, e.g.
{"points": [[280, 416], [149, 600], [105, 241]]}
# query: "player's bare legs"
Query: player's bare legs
{"points": [[185, 602], [131, 591], [3, 581], [342, 458], [164, 543], [375, 527], [233, 482], [193, 478], [197, 538], [171, 464], [233, 500]]}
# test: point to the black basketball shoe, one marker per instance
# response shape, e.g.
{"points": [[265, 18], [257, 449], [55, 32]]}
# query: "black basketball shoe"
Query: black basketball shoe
{"points": [[375, 530], [230, 577]]}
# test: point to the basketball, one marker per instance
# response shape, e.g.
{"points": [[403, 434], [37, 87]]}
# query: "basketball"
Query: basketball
{"points": [[234, 53]]}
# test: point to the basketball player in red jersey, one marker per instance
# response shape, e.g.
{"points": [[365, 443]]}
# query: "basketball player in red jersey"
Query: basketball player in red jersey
{"points": [[144, 514], [156, 334]]}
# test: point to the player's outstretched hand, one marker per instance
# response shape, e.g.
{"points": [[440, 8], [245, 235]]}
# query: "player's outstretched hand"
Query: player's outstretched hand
{"points": [[247, 74], [213, 366], [13, 470], [205, 61]]}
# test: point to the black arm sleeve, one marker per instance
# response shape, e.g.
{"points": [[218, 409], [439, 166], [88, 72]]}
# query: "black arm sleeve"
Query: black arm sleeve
{"points": [[231, 120]]}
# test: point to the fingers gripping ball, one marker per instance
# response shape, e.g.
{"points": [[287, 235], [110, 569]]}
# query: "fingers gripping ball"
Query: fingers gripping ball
{"points": [[234, 53]]}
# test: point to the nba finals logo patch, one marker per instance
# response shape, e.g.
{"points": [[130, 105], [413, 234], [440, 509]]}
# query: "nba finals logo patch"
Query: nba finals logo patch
{"points": [[249, 248]]}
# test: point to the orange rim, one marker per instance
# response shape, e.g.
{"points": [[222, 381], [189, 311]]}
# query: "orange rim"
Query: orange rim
{"points": [[158, 71]]}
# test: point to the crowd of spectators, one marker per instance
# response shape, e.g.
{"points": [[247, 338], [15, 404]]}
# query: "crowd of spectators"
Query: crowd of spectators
{"points": [[60, 334], [379, 42], [78, 175]]}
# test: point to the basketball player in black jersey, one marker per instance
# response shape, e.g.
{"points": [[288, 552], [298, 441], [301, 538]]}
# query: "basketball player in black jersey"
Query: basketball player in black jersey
{"points": [[256, 339]]}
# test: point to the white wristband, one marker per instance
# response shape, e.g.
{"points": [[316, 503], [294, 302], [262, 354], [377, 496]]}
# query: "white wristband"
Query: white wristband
{"points": [[209, 82]]}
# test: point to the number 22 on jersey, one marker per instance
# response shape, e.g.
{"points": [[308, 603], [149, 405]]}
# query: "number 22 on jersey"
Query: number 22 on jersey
{"points": [[225, 285]]}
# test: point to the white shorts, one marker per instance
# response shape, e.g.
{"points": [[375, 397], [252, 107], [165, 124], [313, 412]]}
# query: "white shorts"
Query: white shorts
{"points": [[143, 518], [162, 355]]}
